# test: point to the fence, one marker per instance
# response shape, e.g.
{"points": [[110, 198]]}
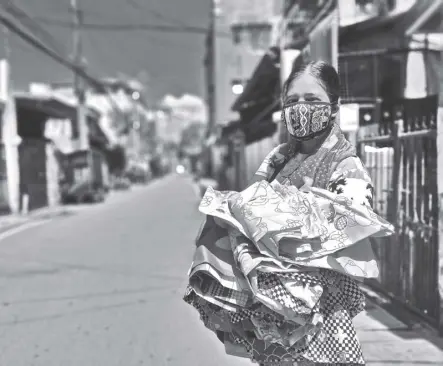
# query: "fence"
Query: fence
{"points": [[402, 161]]}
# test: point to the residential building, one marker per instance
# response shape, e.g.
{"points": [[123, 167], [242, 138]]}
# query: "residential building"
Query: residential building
{"points": [[390, 63], [387, 53], [49, 157]]}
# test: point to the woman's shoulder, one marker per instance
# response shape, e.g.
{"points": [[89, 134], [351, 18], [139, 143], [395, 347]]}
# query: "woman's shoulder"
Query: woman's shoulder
{"points": [[351, 162], [351, 167], [271, 161]]}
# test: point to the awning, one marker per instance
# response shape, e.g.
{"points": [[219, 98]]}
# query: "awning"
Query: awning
{"points": [[51, 105], [262, 124], [228, 129], [263, 85], [253, 132], [56, 108], [259, 100], [390, 31], [255, 122], [97, 136]]}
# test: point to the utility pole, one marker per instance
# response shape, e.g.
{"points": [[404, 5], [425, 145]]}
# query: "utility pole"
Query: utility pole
{"points": [[210, 65], [79, 87]]}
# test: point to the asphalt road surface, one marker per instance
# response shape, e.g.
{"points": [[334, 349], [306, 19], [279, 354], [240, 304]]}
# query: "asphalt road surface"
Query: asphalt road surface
{"points": [[103, 287]]}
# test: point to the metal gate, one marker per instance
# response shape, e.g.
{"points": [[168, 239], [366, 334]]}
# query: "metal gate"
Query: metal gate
{"points": [[402, 161]]}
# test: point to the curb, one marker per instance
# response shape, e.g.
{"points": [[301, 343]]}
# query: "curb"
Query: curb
{"points": [[34, 217]]}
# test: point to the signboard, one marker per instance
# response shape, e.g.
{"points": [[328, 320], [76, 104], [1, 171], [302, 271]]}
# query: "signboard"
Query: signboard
{"points": [[58, 128], [349, 117]]}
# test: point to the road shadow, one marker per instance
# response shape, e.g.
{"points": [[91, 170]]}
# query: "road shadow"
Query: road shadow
{"points": [[399, 320]]}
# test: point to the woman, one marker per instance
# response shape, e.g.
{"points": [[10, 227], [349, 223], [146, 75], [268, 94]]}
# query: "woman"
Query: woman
{"points": [[310, 105], [281, 289]]}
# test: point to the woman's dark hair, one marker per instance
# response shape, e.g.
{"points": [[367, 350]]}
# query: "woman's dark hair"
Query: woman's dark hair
{"points": [[325, 73]]}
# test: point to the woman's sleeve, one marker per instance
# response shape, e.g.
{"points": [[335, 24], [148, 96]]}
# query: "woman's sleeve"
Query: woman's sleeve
{"points": [[352, 180], [267, 167]]}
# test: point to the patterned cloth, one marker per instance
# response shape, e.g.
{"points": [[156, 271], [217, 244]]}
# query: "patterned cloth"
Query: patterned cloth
{"points": [[273, 267], [307, 119], [319, 166]]}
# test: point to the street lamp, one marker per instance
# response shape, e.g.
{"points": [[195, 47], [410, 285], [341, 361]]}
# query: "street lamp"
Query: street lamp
{"points": [[237, 87]]}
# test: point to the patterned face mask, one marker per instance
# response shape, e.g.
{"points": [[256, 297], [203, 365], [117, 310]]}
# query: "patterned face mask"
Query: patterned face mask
{"points": [[305, 120]]}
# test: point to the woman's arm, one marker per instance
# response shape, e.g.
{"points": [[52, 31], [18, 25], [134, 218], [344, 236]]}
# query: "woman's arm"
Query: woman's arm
{"points": [[352, 181]]}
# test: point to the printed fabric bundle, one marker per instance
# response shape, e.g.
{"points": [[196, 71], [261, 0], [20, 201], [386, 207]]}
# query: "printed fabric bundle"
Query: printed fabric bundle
{"points": [[273, 272]]}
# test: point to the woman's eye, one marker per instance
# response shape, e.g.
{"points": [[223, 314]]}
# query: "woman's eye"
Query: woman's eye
{"points": [[291, 100]]}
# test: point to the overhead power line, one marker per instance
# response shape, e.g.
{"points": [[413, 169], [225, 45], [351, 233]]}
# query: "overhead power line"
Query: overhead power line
{"points": [[36, 43], [27, 21], [39, 45], [131, 27], [149, 9]]}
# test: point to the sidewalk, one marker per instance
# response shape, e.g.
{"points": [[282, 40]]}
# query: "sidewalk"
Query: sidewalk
{"points": [[388, 341], [8, 222]]}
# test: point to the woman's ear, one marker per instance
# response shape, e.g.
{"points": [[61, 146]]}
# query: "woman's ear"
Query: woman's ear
{"points": [[334, 110]]}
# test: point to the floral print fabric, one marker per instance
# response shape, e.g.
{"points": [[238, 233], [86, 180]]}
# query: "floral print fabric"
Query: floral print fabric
{"points": [[275, 267]]}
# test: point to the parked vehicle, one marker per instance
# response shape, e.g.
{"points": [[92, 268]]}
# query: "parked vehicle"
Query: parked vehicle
{"points": [[121, 184], [139, 174], [83, 192]]}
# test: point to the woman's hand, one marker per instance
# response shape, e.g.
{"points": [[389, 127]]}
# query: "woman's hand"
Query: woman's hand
{"points": [[256, 178], [308, 184]]}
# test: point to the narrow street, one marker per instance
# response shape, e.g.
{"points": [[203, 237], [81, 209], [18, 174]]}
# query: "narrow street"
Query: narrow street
{"points": [[104, 287]]}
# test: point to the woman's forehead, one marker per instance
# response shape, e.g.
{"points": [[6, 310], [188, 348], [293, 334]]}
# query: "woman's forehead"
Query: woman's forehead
{"points": [[306, 84]]}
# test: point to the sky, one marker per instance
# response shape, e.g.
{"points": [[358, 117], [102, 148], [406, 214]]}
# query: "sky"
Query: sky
{"points": [[171, 63]]}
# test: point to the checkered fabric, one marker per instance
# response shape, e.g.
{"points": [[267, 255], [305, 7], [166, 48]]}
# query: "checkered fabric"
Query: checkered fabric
{"points": [[270, 286], [335, 344], [235, 297]]}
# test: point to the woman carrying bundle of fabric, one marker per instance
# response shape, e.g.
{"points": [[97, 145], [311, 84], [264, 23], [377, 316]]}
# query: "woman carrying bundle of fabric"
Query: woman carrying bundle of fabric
{"points": [[276, 265]]}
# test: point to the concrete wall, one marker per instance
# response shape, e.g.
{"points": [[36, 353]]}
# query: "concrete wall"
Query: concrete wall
{"points": [[52, 175], [11, 141]]}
